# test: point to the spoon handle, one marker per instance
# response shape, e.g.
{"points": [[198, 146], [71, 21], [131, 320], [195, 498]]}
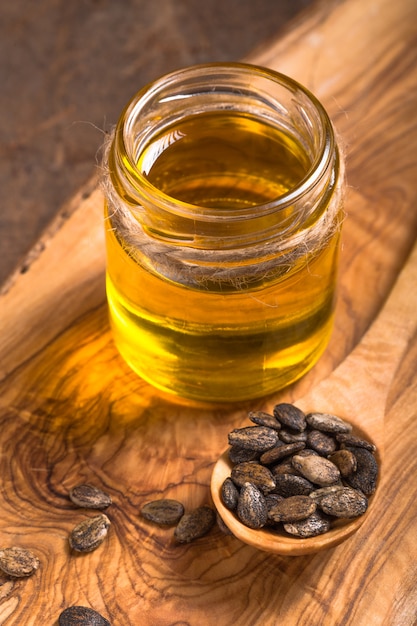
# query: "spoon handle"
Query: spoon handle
{"points": [[385, 342], [358, 388]]}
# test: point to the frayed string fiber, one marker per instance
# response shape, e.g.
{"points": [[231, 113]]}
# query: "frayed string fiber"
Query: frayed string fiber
{"points": [[232, 268]]}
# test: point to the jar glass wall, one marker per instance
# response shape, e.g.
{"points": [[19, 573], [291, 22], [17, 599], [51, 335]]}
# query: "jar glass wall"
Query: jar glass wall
{"points": [[223, 214]]}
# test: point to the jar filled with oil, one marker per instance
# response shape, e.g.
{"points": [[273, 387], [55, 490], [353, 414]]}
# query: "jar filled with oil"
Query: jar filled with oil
{"points": [[223, 213]]}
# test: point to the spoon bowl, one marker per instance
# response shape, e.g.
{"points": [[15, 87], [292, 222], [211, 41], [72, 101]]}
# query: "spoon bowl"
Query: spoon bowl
{"points": [[356, 391], [270, 539]]}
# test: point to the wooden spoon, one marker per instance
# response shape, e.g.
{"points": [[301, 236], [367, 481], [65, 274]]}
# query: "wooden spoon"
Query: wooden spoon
{"points": [[357, 391]]}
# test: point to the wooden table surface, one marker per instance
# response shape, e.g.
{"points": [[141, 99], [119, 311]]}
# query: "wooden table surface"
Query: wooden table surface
{"points": [[68, 68], [71, 411]]}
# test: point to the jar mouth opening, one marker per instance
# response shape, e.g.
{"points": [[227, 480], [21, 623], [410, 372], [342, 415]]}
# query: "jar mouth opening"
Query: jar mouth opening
{"points": [[166, 92]]}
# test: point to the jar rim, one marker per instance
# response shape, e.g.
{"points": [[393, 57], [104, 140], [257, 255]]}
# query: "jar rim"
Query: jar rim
{"points": [[317, 169]]}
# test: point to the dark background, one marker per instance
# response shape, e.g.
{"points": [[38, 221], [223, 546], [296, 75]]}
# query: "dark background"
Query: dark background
{"points": [[67, 68]]}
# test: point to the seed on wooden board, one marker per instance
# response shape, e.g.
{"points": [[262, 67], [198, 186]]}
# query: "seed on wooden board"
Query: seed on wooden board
{"points": [[280, 451], [264, 419], [366, 476], [288, 436], [290, 416], [291, 485], [251, 508], [253, 437], [81, 616], [345, 460], [89, 497], [328, 423], [239, 455], [89, 534], [166, 511], [195, 524], [351, 440], [314, 525], [345, 502], [18, 562], [229, 494], [321, 442], [317, 469], [292, 509], [254, 473]]}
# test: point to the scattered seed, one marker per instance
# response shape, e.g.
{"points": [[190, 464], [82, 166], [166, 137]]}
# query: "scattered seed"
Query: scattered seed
{"points": [[290, 416], [318, 494], [81, 616], [264, 419], [240, 455], [317, 469], [328, 423], [253, 437], [280, 451], [195, 524], [89, 497], [345, 502], [314, 525], [366, 476], [291, 485], [345, 460], [18, 562], [321, 443], [273, 454], [308, 452], [272, 499], [285, 467], [351, 440], [166, 512], [288, 436], [89, 534], [253, 473], [251, 508], [229, 494], [292, 509]]}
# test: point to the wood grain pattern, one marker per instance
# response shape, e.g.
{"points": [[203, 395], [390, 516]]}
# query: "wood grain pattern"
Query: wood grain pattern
{"points": [[71, 411], [357, 391]]}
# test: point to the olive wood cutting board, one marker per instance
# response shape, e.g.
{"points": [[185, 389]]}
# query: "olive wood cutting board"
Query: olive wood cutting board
{"points": [[71, 411]]}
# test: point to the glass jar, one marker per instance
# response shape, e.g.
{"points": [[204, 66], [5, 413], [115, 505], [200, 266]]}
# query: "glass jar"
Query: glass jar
{"points": [[223, 212]]}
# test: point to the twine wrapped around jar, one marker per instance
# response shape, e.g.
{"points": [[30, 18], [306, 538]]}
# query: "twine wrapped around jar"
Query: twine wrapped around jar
{"points": [[244, 267]]}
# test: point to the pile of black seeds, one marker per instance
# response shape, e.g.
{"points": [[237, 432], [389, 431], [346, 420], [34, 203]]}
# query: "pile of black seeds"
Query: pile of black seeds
{"points": [[298, 472]]}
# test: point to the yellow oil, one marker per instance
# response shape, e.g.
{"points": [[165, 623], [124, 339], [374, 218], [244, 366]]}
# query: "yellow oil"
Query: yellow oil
{"points": [[219, 342]]}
